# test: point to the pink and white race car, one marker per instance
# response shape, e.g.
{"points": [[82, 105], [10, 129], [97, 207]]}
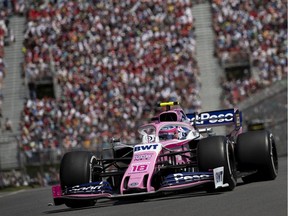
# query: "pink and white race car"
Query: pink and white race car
{"points": [[176, 152]]}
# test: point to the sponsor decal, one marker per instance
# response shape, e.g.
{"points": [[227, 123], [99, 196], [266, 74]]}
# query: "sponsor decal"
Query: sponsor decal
{"points": [[142, 157], [238, 119], [151, 138], [219, 177], [94, 187], [180, 177], [145, 147], [186, 177], [182, 132], [133, 184], [213, 117]]}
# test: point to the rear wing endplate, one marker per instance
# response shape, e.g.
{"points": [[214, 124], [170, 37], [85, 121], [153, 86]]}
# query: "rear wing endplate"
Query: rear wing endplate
{"points": [[216, 118]]}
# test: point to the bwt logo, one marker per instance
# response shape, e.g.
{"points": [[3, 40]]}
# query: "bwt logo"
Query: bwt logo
{"points": [[219, 176], [204, 118], [145, 147]]}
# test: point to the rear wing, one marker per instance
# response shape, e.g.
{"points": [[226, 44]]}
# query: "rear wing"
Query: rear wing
{"points": [[216, 118]]}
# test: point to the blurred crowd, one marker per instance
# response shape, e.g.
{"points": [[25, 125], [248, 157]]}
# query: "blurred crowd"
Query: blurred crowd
{"points": [[6, 37], [254, 30], [113, 60], [15, 178]]}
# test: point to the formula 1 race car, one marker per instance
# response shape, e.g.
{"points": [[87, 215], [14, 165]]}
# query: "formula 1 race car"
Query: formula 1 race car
{"points": [[177, 151]]}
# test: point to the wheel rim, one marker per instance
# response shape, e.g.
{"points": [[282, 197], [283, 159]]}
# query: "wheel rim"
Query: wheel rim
{"points": [[93, 161], [231, 161], [273, 154]]}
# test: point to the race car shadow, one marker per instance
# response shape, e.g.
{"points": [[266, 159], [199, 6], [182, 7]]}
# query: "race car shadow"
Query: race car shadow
{"points": [[168, 197], [103, 203]]}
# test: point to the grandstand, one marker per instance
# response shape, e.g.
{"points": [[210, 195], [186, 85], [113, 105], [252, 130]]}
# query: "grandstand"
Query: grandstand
{"points": [[81, 72]]}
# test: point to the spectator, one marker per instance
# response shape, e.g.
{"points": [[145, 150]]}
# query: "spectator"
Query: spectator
{"points": [[8, 125]]}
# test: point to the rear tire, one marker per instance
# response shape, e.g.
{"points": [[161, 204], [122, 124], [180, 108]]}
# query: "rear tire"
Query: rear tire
{"points": [[257, 150], [77, 168], [217, 151]]}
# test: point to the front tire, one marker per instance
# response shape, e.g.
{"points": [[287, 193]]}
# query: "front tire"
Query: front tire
{"points": [[217, 151], [77, 168]]}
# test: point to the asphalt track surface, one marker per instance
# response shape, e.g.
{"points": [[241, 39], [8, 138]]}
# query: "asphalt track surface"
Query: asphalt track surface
{"points": [[267, 198]]}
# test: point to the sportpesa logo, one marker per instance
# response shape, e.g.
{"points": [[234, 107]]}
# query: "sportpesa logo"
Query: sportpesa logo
{"points": [[208, 118]]}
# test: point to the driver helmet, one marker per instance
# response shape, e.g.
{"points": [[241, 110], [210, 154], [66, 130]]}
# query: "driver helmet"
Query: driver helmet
{"points": [[168, 134]]}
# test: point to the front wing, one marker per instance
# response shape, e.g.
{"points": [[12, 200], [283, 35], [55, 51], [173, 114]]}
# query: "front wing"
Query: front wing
{"points": [[172, 182]]}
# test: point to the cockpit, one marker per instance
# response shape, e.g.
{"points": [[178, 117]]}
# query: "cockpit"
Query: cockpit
{"points": [[167, 131]]}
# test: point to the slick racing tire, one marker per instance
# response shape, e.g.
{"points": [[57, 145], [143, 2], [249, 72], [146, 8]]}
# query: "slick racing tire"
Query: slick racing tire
{"points": [[217, 151], [257, 150], [77, 168]]}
